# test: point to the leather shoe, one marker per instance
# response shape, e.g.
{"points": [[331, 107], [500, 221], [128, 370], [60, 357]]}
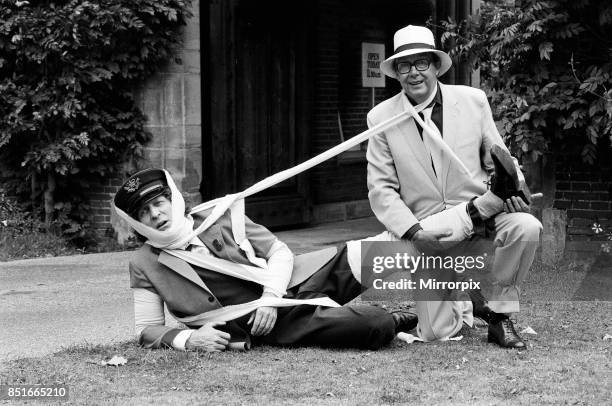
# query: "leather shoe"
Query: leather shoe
{"points": [[503, 333], [505, 182], [404, 321]]}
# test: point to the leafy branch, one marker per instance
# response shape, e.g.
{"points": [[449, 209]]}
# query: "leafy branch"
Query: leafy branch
{"points": [[68, 71], [531, 57]]}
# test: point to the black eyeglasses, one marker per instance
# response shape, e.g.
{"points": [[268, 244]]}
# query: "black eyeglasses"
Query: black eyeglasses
{"points": [[420, 65]]}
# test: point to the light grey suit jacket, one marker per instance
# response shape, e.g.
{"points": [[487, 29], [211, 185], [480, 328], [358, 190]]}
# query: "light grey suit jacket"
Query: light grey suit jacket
{"points": [[402, 184]]}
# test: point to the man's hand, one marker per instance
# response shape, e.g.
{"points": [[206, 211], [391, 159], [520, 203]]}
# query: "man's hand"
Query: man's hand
{"points": [[263, 319], [208, 338], [516, 204], [430, 240], [433, 235]]}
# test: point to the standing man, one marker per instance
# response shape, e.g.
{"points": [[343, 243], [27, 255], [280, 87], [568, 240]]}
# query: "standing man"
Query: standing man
{"points": [[412, 180]]}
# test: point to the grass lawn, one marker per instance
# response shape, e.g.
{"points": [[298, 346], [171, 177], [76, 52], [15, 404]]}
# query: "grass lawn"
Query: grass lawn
{"points": [[568, 362]]}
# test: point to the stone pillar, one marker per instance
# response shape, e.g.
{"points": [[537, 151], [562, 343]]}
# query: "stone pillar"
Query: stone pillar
{"points": [[553, 237], [553, 219], [172, 102]]}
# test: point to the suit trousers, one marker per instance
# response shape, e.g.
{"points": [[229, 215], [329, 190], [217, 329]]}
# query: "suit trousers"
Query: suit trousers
{"points": [[516, 240], [349, 326]]}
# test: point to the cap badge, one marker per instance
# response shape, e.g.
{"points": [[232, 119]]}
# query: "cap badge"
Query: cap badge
{"points": [[132, 185]]}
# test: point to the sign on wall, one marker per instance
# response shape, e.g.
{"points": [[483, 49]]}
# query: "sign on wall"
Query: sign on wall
{"points": [[371, 57]]}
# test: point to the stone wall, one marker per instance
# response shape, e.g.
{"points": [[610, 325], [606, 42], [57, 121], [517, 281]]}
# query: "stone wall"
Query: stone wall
{"points": [[171, 101]]}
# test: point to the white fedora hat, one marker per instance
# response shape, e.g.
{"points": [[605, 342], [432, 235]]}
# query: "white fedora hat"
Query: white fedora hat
{"points": [[411, 40]]}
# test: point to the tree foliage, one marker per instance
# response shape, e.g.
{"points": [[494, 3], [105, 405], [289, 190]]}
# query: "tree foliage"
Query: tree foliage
{"points": [[547, 67], [68, 70]]}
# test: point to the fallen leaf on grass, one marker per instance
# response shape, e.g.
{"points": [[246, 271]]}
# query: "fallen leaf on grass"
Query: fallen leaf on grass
{"points": [[607, 337], [116, 361], [528, 330]]}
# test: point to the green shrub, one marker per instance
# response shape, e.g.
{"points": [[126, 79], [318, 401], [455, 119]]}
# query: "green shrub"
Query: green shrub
{"points": [[23, 235], [13, 219], [547, 66], [68, 117]]}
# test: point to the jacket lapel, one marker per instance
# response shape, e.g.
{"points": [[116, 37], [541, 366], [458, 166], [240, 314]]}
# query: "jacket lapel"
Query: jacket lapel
{"points": [[450, 116], [182, 268], [211, 234], [408, 131]]}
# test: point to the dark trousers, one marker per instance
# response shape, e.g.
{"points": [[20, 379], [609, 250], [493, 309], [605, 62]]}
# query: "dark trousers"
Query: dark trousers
{"points": [[351, 326]]}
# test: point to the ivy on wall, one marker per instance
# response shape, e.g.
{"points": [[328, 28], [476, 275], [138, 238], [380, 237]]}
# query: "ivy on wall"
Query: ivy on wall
{"points": [[547, 67], [68, 70]]}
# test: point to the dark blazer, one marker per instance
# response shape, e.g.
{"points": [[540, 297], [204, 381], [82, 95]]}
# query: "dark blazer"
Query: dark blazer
{"points": [[182, 286]]}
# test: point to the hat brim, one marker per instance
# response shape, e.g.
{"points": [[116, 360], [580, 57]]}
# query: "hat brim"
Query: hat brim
{"points": [[388, 69], [146, 199]]}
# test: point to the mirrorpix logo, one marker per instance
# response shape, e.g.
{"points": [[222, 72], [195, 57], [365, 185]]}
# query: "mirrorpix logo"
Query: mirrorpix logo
{"points": [[132, 185]]}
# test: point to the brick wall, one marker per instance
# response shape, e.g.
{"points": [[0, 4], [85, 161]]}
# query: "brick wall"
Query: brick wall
{"points": [[338, 90], [100, 201], [585, 192]]}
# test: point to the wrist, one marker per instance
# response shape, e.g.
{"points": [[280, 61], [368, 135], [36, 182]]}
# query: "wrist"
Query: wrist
{"points": [[180, 341], [412, 231], [269, 293]]}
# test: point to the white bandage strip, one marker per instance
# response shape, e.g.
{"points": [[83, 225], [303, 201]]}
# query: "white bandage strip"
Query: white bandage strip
{"points": [[235, 203], [232, 312]]}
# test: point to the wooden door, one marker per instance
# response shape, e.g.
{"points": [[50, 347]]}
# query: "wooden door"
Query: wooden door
{"points": [[260, 96]]}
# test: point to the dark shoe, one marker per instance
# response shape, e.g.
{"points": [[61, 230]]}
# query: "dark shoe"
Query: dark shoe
{"points": [[503, 333], [505, 182], [404, 321]]}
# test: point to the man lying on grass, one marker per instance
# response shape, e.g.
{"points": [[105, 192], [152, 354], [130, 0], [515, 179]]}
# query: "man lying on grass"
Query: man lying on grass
{"points": [[232, 286]]}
